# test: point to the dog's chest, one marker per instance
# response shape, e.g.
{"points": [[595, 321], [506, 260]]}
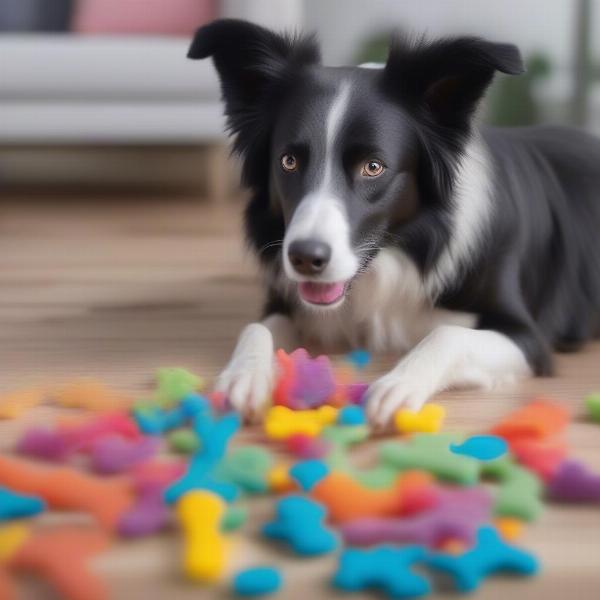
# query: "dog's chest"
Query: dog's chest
{"points": [[387, 311]]}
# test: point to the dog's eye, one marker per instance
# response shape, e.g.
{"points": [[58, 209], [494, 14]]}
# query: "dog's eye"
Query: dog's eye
{"points": [[289, 163], [372, 168]]}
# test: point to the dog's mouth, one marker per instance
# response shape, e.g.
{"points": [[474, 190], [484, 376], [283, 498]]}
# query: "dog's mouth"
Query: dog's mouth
{"points": [[322, 294]]}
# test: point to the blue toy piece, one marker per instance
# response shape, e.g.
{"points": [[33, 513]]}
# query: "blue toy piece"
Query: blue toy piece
{"points": [[482, 447], [308, 473], [351, 415], [359, 358], [257, 582], [386, 568], [214, 437], [18, 506], [299, 522], [490, 555], [153, 420]]}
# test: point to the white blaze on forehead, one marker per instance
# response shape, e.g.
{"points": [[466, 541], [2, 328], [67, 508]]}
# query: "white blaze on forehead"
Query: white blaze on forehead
{"points": [[321, 214]]}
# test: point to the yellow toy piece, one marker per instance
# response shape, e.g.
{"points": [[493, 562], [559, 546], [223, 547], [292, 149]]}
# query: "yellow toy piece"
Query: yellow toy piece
{"points": [[509, 528], [428, 420], [91, 395], [282, 422], [14, 404], [279, 479], [12, 537], [199, 513]]}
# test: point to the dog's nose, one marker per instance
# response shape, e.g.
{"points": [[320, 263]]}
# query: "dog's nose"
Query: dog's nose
{"points": [[309, 257]]}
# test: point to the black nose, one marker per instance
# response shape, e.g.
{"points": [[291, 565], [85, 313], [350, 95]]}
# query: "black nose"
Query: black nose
{"points": [[309, 257]]}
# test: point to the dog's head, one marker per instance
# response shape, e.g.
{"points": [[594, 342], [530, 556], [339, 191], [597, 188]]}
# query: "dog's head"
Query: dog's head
{"points": [[344, 161]]}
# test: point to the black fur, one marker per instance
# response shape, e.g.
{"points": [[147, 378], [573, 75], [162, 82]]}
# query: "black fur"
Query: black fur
{"points": [[536, 274]]}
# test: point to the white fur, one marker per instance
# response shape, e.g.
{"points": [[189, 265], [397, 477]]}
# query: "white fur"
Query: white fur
{"points": [[321, 215]]}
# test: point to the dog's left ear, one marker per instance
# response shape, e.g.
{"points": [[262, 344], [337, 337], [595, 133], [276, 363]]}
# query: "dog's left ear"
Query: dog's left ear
{"points": [[448, 77]]}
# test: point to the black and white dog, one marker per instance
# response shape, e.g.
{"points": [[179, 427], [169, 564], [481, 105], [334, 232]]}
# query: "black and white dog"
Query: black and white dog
{"points": [[385, 218]]}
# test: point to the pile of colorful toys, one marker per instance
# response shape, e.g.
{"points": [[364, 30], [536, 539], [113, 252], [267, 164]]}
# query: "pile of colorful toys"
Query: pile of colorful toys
{"points": [[442, 503]]}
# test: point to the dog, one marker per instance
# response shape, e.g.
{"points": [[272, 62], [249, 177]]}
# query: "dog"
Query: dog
{"points": [[385, 217]]}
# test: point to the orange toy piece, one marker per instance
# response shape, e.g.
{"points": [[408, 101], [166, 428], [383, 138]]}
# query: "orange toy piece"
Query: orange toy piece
{"points": [[539, 419], [509, 528], [346, 499], [285, 381], [66, 489], [543, 457], [92, 395], [7, 586], [60, 557], [279, 479], [14, 404]]}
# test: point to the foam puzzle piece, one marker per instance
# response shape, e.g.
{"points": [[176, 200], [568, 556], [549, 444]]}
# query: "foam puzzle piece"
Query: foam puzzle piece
{"points": [[481, 447], [543, 457], [214, 436], [246, 467], [431, 452], [282, 422], [184, 441], [592, 403], [66, 489], [347, 500], [14, 404], [114, 454], [8, 590], [359, 358], [12, 537], [307, 446], [158, 472], [457, 515], [509, 528], [18, 506], [490, 555], [93, 395], [539, 419], [234, 518], [300, 522], [519, 493], [573, 482], [173, 384], [279, 479], [154, 420], [258, 581], [427, 420], [355, 392], [199, 514], [351, 415], [60, 557], [385, 568], [308, 473], [45, 444], [148, 514]]}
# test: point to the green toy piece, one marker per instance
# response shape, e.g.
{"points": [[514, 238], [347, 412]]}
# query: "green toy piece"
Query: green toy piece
{"points": [[184, 441], [431, 452], [592, 402], [173, 383], [247, 467], [519, 494], [234, 518]]}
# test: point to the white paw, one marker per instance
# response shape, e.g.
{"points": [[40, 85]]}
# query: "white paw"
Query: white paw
{"points": [[248, 379], [398, 389]]}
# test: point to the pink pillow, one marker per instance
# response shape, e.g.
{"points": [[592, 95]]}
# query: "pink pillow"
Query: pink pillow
{"points": [[171, 17]]}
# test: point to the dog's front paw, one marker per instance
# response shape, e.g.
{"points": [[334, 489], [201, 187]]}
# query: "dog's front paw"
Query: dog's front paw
{"points": [[398, 389], [247, 381]]}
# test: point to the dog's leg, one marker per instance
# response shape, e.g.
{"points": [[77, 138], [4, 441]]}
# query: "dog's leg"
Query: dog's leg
{"points": [[248, 378], [450, 356]]}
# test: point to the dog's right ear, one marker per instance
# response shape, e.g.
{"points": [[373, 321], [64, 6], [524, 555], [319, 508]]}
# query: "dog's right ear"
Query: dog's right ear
{"points": [[253, 63]]}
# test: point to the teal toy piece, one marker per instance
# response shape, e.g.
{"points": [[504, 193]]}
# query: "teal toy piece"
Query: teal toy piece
{"points": [[351, 415], [258, 581], [308, 473], [482, 447], [18, 506]]}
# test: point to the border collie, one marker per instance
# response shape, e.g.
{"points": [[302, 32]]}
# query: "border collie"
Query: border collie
{"points": [[384, 217]]}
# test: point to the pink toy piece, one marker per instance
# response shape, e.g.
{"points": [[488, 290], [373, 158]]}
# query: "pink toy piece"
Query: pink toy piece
{"points": [[113, 454], [148, 515], [306, 446], [356, 392], [458, 515], [44, 444], [157, 472], [573, 482], [314, 382]]}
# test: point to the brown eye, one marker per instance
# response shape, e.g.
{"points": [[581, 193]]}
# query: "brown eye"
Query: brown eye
{"points": [[289, 162], [372, 168]]}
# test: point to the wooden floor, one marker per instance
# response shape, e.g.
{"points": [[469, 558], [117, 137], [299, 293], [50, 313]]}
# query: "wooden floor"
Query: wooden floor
{"points": [[116, 287]]}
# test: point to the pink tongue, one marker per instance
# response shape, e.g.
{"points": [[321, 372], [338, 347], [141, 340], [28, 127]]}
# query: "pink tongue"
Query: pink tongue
{"points": [[321, 293]]}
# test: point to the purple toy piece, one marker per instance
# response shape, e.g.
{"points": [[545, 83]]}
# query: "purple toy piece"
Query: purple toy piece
{"points": [[573, 482], [458, 515], [314, 382], [114, 454], [45, 444], [148, 515], [356, 392]]}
